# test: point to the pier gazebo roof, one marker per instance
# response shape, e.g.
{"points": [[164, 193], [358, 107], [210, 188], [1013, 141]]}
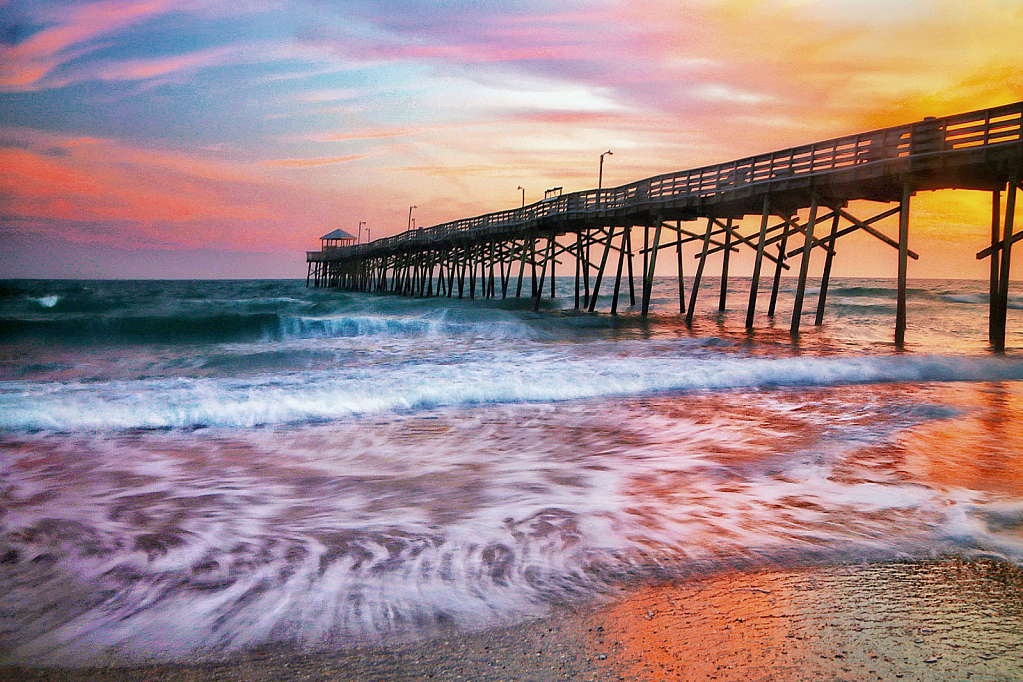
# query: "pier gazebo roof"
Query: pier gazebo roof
{"points": [[339, 235]]}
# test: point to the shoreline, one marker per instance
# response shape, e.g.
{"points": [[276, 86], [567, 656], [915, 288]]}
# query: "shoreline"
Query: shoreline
{"points": [[914, 620]]}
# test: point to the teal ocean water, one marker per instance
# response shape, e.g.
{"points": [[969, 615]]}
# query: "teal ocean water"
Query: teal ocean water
{"points": [[192, 467]]}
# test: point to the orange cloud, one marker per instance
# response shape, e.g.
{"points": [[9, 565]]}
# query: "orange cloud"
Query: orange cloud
{"points": [[102, 181]]}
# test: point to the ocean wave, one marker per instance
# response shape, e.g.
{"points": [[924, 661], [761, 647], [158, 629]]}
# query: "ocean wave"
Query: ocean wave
{"points": [[239, 327], [1014, 302], [209, 328], [370, 325], [332, 394]]}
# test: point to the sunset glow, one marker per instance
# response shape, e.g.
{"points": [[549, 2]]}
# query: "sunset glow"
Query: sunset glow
{"points": [[191, 138]]}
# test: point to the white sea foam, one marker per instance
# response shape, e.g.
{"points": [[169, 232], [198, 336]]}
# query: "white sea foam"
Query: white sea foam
{"points": [[506, 378], [48, 301], [411, 326], [181, 543]]}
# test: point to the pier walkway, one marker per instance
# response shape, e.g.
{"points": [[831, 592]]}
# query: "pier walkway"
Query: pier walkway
{"points": [[794, 191]]}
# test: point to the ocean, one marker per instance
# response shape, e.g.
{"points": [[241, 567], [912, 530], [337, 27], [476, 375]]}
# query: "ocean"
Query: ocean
{"points": [[191, 468]]}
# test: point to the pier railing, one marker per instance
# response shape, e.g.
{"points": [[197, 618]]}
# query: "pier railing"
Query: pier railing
{"points": [[887, 149]]}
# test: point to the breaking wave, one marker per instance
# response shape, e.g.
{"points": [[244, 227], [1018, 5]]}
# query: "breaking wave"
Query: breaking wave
{"points": [[512, 378]]}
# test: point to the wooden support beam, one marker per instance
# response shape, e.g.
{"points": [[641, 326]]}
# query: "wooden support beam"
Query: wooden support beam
{"points": [[755, 283], [554, 262], [699, 274], [600, 270], [804, 267], [1008, 237], [681, 274], [900, 305], [749, 241], [472, 273], [997, 249], [649, 277], [646, 260], [586, 269], [865, 226], [492, 291], [578, 264], [826, 277], [632, 283], [693, 237], [776, 284], [722, 299], [995, 283], [522, 269], [543, 273], [622, 254], [452, 273], [532, 260]]}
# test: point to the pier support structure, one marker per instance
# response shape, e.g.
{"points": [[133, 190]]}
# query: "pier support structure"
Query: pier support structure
{"points": [[791, 192]]}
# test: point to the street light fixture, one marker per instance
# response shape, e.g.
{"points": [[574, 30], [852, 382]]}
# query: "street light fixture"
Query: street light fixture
{"points": [[361, 223], [600, 177], [523, 194], [410, 216]]}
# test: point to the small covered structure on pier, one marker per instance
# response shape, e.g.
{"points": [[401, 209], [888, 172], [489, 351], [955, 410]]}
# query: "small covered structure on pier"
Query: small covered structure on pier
{"points": [[335, 239]]}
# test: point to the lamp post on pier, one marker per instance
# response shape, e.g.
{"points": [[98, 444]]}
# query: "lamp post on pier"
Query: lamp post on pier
{"points": [[410, 216], [600, 176], [523, 194], [361, 223]]}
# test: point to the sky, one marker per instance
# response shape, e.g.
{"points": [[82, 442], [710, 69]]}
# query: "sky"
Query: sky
{"points": [[202, 138]]}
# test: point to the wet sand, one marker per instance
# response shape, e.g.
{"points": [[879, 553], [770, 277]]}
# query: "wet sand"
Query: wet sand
{"points": [[935, 620]]}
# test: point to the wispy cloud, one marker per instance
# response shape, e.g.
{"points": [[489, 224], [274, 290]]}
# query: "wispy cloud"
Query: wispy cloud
{"points": [[68, 35], [101, 180], [312, 163], [157, 67]]}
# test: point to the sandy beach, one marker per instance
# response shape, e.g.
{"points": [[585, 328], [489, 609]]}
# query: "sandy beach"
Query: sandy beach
{"points": [[935, 620]]}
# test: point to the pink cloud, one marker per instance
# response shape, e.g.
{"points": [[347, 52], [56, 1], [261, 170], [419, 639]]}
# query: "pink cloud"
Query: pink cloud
{"points": [[24, 66], [104, 181], [310, 163], [143, 69], [95, 191]]}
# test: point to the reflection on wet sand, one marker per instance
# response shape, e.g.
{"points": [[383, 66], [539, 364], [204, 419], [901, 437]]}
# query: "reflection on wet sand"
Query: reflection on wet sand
{"points": [[913, 621], [982, 450]]}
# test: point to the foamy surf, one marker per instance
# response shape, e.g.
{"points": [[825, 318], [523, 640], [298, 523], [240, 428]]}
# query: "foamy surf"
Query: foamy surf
{"points": [[505, 378], [170, 545]]}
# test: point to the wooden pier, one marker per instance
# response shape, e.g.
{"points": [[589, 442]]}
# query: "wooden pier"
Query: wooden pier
{"points": [[800, 194]]}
